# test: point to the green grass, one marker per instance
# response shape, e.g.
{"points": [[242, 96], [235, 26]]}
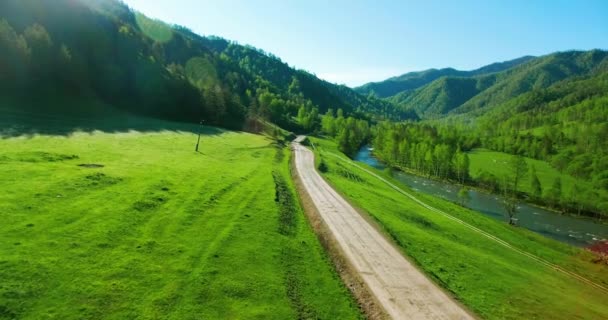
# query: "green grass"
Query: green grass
{"points": [[493, 281], [496, 163], [158, 232]]}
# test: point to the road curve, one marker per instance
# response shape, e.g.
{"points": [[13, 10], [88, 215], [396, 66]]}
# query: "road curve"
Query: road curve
{"points": [[403, 291]]}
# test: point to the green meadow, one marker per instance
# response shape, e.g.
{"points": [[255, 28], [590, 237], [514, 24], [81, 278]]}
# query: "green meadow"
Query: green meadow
{"points": [[572, 189], [492, 280], [497, 163], [129, 224]]}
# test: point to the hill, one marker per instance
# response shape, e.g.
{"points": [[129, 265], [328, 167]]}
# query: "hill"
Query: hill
{"points": [[101, 51], [414, 80], [478, 93], [526, 111]]}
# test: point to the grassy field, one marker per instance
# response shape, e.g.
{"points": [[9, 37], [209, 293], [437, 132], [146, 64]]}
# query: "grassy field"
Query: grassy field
{"points": [[493, 281], [158, 232], [496, 163]]}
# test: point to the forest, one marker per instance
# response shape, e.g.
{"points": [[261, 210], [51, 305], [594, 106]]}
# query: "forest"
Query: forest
{"points": [[147, 67], [564, 125], [551, 108]]}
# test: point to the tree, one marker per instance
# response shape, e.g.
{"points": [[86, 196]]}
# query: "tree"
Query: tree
{"points": [[302, 117], [328, 123], [555, 193], [509, 201], [575, 196], [464, 196], [15, 55], [344, 138], [461, 166], [41, 47], [535, 185], [519, 169]]}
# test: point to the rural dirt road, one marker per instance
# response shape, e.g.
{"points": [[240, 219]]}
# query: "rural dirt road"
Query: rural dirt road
{"points": [[402, 290]]}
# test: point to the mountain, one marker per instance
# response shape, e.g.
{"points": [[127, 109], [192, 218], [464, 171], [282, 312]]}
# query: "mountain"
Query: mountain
{"points": [[479, 93], [101, 52], [414, 80]]}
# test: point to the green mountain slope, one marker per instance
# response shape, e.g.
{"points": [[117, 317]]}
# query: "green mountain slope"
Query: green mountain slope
{"points": [[102, 51], [479, 93], [414, 80], [537, 74], [439, 97]]}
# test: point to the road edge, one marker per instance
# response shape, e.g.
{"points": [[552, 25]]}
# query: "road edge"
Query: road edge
{"points": [[368, 304], [374, 223]]}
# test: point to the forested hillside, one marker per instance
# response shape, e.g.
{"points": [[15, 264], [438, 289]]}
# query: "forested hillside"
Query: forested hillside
{"points": [[102, 51], [414, 80], [479, 93], [564, 125]]}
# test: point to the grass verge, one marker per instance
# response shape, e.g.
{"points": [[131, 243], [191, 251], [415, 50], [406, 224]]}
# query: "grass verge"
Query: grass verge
{"points": [[493, 281]]}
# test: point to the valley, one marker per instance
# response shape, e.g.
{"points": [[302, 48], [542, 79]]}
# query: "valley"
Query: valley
{"points": [[480, 265], [150, 169]]}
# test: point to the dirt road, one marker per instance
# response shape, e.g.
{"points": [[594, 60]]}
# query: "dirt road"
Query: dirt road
{"points": [[403, 291]]}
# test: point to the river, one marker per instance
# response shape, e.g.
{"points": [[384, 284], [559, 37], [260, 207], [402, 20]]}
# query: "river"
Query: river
{"points": [[575, 231]]}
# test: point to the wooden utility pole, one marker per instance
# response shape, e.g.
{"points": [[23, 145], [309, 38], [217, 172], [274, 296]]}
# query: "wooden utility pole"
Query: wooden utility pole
{"points": [[199, 135]]}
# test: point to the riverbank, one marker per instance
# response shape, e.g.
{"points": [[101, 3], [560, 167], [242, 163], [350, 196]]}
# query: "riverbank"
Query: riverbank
{"points": [[486, 179], [494, 281], [576, 231], [522, 197]]}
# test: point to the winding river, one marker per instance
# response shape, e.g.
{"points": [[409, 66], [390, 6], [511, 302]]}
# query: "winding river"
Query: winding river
{"points": [[575, 231]]}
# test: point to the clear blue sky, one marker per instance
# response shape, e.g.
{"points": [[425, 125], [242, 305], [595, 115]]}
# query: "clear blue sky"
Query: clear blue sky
{"points": [[354, 42]]}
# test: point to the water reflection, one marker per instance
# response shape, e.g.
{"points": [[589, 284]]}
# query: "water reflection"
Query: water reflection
{"points": [[578, 232]]}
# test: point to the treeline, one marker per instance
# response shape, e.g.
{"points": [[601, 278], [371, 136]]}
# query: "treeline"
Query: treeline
{"points": [[103, 50], [440, 151], [434, 151], [565, 125], [350, 133]]}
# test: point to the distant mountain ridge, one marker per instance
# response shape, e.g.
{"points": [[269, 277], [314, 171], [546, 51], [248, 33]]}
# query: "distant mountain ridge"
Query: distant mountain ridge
{"points": [[475, 92], [414, 80]]}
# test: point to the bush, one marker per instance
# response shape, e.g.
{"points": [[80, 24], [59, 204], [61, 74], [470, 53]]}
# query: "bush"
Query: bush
{"points": [[323, 167]]}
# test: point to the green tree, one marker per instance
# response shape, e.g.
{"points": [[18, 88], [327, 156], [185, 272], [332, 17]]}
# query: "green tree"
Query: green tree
{"points": [[328, 123], [519, 169], [555, 193], [509, 200], [574, 198], [15, 55], [344, 139], [464, 196], [535, 185], [461, 165], [302, 117], [41, 47]]}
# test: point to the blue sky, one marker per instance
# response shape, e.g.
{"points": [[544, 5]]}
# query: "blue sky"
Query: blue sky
{"points": [[354, 42]]}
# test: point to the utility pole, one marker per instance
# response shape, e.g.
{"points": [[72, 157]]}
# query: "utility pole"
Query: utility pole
{"points": [[199, 135]]}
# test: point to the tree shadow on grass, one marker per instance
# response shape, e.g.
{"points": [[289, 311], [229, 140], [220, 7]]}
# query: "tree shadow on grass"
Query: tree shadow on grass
{"points": [[27, 124]]}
